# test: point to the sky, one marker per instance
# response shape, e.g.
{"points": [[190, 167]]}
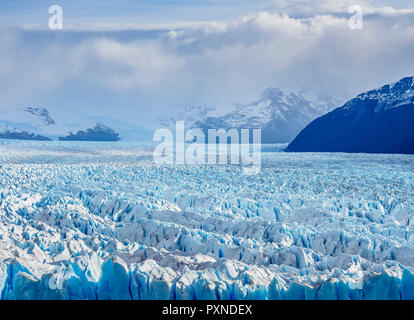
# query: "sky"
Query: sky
{"points": [[138, 60]]}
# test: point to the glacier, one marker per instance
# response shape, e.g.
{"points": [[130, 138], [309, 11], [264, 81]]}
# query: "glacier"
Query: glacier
{"points": [[90, 220]]}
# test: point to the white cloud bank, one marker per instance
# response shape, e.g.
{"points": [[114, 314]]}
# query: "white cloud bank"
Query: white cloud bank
{"points": [[292, 47]]}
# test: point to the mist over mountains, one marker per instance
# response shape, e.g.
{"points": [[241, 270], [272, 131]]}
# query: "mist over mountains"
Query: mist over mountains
{"points": [[376, 121]]}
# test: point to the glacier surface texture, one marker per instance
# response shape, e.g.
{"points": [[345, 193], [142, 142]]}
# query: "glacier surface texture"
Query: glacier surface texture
{"points": [[102, 221]]}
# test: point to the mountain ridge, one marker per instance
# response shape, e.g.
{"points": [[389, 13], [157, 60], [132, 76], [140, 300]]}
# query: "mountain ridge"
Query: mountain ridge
{"points": [[36, 123], [377, 121], [280, 116]]}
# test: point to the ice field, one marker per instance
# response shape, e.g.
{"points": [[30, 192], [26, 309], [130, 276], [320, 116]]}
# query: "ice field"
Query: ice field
{"points": [[102, 221]]}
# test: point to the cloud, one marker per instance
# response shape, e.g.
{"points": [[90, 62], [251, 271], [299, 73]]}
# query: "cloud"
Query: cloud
{"points": [[306, 46]]}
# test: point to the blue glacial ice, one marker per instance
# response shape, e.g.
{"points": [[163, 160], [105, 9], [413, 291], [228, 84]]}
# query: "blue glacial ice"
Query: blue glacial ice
{"points": [[102, 221]]}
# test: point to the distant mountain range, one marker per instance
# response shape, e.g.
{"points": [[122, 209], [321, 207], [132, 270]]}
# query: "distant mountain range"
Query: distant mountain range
{"points": [[23, 124], [22, 135], [280, 116], [377, 121], [98, 133]]}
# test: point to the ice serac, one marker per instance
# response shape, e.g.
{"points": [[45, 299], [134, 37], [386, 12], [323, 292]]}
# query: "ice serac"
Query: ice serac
{"points": [[377, 121], [280, 116], [308, 226]]}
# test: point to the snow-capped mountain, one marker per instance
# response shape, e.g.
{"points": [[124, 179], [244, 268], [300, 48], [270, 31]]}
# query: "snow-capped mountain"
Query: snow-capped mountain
{"points": [[42, 113], [377, 121], [280, 116], [189, 114], [37, 123]]}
